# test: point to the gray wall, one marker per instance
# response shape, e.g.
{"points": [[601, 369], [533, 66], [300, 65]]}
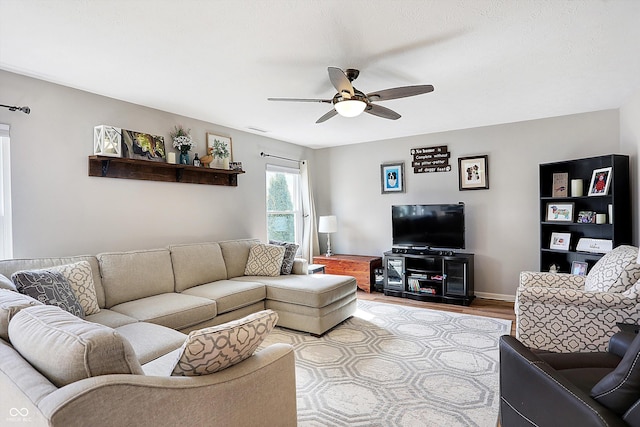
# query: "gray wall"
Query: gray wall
{"points": [[501, 222], [630, 144], [59, 210]]}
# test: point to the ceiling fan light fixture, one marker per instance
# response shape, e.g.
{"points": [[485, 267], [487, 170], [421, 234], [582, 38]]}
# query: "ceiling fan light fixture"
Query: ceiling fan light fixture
{"points": [[350, 107]]}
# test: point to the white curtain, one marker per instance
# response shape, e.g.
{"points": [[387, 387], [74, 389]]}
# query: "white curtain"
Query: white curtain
{"points": [[310, 246], [6, 236]]}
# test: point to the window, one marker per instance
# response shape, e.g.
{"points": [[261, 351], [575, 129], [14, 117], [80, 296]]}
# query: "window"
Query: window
{"points": [[284, 207], [6, 240]]}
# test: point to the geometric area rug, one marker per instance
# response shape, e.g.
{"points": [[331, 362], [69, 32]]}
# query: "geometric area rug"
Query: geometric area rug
{"points": [[392, 365]]}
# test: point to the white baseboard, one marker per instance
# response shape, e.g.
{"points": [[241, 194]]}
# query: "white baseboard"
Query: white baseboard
{"points": [[501, 297]]}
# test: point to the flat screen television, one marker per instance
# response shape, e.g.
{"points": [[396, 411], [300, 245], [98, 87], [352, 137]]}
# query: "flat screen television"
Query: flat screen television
{"points": [[430, 226]]}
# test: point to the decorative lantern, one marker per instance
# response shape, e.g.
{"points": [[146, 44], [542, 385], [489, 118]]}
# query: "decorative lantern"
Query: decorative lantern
{"points": [[107, 141]]}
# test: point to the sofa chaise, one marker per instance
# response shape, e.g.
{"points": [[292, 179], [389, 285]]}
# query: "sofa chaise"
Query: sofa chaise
{"points": [[151, 300]]}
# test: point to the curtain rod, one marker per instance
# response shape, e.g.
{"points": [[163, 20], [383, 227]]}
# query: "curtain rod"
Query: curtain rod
{"points": [[263, 154]]}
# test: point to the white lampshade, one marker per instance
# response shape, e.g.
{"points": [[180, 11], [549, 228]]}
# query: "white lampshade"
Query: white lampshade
{"points": [[350, 107], [328, 224]]}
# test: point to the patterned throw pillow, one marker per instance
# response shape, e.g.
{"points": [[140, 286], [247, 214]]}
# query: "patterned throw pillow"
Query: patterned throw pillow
{"points": [[615, 272], [213, 349], [290, 250], [264, 260], [80, 278], [48, 287]]}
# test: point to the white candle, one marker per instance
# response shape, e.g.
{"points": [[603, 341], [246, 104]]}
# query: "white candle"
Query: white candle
{"points": [[601, 218], [576, 187], [171, 158]]}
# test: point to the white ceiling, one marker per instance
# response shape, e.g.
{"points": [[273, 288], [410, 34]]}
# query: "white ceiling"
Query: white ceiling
{"points": [[490, 61]]}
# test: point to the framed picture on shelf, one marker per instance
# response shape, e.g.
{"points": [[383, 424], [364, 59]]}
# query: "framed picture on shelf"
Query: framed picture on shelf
{"points": [[600, 181], [560, 212], [579, 268], [560, 241], [220, 145], [560, 185], [392, 177], [473, 173], [586, 217]]}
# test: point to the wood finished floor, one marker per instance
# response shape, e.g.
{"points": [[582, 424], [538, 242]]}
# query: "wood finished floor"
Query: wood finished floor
{"points": [[479, 306]]}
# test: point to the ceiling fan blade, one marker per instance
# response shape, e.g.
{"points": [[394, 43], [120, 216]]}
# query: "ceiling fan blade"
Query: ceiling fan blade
{"points": [[327, 101], [339, 80], [327, 116], [380, 111], [399, 92]]}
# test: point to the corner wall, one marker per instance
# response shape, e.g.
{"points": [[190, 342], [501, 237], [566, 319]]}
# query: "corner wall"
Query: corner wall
{"points": [[630, 144], [59, 210], [502, 223]]}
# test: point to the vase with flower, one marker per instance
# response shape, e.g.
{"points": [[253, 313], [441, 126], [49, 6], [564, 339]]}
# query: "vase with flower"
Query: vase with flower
{"points": [[183, 142], [220, 151]]}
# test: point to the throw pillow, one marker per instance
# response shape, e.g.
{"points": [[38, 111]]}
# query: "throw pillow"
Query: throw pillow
{"points": [[66, 349], [12, 302], [620, 389], [213, 349], [290, 250], [80, 278], [264, 260], [48, 287], [614, 272]]}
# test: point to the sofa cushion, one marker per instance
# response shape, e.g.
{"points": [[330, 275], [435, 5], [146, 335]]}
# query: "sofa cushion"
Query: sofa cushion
{"points": [[110, 318], [264, 260], [213, 349], [620, 389], [196, 264], [66, 349], [236, 254], [128, 276], [80, 278], [289, 255], [230, 295], [48, 287], [173, 310], [615, 271], [12, 302], [151, 341], [6, 283]]}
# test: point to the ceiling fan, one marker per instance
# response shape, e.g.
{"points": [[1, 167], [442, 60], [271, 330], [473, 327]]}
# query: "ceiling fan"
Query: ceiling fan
{"points": [[350, 102]]}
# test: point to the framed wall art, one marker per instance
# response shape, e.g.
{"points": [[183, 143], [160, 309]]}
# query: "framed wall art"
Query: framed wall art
{"points": [[392, 177], [600, 181], [143, 146], [473, 173], [560, 212], [560, 241], [217, 145]]}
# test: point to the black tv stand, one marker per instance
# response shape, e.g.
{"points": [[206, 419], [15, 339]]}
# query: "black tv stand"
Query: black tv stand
{"points": [[441, 276], [421, 251]]}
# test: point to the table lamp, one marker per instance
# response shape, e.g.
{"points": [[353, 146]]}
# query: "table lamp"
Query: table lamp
{"points": [[328, 224]]}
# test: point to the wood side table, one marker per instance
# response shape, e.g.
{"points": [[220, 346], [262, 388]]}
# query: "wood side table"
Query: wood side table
{"points": [[359, 266]]}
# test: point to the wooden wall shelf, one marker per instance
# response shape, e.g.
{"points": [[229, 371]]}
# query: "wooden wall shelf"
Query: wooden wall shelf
{"points": [[116, 167]]}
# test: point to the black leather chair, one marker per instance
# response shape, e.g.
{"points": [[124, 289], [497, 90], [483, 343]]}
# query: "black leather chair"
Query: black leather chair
{"points": [[540, 388]]}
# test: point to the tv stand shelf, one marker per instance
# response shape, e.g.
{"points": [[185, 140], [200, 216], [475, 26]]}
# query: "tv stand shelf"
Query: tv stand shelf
{"points": [[432, 277]]}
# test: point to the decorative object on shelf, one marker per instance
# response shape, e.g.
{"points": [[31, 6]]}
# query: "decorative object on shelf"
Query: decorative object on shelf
{"points": [[610, 213], [107, 141], [221, 150], [579, 268], [143, 146], [236, 166], [392, 177], [560, 212], [431, 159], [601, 218], [183, 142], [577, 188], [553, 268], [560, 241], [473, 173], [328, 224], [600, 181], [560, 185], [206, 160], [196, 160], [586, 217], [598, 246], [171, 158]]}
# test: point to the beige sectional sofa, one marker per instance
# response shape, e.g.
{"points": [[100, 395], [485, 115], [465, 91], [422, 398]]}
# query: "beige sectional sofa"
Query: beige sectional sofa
{"points": [[153, 298]]}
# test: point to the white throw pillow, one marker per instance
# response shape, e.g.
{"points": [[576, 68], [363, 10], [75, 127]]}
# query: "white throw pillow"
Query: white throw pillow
{"points": [[615, 272], [80, 279], [213, 349], [264, 260]]}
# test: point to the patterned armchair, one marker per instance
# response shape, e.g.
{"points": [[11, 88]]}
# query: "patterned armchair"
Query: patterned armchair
{"points": [[568, 313]]}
